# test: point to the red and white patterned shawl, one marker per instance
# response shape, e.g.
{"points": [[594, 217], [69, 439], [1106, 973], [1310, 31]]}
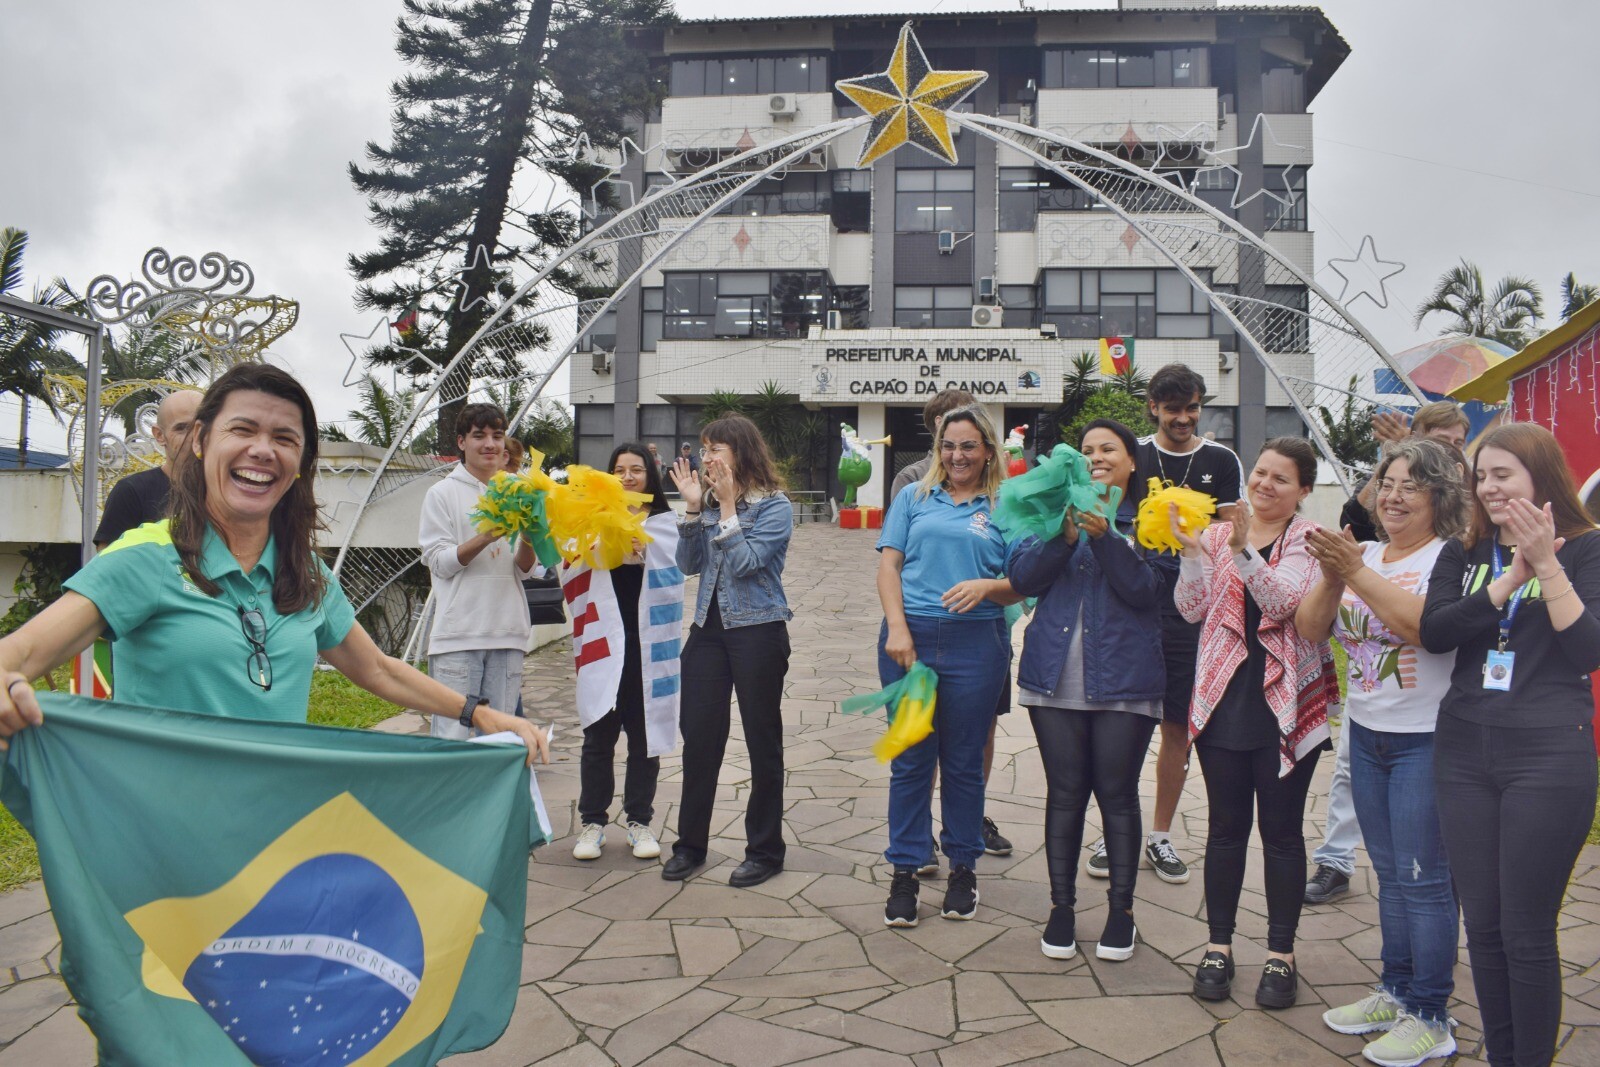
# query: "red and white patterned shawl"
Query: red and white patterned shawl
{"points": [[1300, 679]]}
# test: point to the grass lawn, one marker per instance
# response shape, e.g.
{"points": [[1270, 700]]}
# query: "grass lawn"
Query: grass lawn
{"points": [[334, 702]]}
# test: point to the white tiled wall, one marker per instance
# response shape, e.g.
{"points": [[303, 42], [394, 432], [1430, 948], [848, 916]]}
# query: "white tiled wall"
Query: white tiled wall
{"points": [[1103, 116]]}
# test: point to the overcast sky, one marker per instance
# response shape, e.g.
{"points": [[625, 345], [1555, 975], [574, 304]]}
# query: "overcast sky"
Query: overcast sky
{"points": [[1453, 130]]}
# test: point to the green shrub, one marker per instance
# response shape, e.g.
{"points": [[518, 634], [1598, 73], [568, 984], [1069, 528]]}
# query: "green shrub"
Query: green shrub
{"points": [[1109, 404]]}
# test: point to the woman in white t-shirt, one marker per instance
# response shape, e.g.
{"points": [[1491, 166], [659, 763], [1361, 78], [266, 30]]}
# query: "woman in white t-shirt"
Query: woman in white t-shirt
{"points": [[1370, 598]]}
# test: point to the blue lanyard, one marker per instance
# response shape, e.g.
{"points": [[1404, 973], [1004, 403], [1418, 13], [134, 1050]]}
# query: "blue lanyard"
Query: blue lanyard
{"points": [[1512, 603]]}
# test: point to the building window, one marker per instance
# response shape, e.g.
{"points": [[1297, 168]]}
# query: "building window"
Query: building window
{"points": [[743, 304], [1026, 191], [658, 424], [650, 303], [799, 72], [602, 334], [1289, 183], [926, 201], [1022, 306], [1125, 303], [942, 307], [852, 302], [1286, 321], [796, 194], [1283, 89], [852, 201], [1126, 67], [593, 425]]}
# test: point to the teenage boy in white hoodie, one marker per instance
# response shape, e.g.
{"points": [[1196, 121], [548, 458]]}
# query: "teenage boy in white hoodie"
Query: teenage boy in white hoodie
{"points": [[480, 612]]}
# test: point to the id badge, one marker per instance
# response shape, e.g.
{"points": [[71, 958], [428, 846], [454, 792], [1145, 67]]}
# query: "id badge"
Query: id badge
{"points": [[1497, 670]]}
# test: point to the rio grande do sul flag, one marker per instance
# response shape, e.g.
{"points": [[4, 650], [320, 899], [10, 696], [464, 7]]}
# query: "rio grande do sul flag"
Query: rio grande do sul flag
{"points": [[236, 892], [1116, 355]]}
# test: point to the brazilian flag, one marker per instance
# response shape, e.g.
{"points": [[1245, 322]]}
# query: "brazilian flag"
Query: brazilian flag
{"points": [[238, 892]]}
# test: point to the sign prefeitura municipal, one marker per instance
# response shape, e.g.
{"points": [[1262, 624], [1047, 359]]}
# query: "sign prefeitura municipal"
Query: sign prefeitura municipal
{"points": [[1002, 370]]}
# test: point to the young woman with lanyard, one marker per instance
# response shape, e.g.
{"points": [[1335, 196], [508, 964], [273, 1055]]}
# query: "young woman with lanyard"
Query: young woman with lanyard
{"points": [[627, 625], [1092, 678], [223, 608], [1259, 716], [735, 535], [943, 603], [1371, 597], [1518, 601]]}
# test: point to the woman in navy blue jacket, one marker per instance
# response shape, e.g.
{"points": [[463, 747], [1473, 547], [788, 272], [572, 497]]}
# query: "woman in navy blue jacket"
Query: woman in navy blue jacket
{"points": [[1092, 678]]}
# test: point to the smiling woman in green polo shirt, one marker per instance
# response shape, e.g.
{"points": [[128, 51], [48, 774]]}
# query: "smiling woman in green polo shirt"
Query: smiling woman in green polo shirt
{"points": [[223, 608]]}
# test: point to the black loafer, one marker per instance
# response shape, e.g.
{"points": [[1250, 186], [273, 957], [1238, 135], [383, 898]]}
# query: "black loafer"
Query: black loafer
{"points": [[1279, 984], [753, 872], [681, 866], [1213, 979]]}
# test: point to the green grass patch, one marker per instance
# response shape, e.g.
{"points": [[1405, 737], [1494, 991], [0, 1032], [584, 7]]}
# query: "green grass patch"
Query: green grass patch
{"points": [[335, 701]]}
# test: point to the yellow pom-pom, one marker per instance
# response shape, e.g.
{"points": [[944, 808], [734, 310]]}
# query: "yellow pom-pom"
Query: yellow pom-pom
{"points": [[590, 518], [1154, 527]]}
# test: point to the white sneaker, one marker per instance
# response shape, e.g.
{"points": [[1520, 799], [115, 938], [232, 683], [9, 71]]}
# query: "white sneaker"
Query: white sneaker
{"points": [[645, 845], [587, 847]]}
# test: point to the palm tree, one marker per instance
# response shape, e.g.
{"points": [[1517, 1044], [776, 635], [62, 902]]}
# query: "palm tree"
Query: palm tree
{"points": [[1576, 296], [382, 413], [1509, 313], [28, 349]]}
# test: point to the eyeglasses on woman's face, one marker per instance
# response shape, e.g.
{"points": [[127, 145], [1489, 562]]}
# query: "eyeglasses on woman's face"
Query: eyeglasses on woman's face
{"points": [[1407, 491], [966, 448], [720, 451]]}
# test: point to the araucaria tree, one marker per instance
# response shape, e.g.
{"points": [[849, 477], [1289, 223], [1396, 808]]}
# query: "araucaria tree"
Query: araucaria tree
{"points": [[496, 88]]}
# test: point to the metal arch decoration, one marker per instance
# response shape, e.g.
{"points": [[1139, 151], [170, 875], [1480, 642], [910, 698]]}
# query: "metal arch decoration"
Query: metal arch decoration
{"points": [[205, 300], [118, 456], [910, 102]]}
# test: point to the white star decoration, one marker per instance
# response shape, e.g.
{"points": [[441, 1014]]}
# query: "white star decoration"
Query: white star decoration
{"points": [[1375, 273], [1215, 155], [351, 377]]}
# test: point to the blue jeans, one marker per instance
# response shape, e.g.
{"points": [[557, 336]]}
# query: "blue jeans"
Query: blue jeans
{"points": [[1391, 775], [970, 656], [1343, 833]]}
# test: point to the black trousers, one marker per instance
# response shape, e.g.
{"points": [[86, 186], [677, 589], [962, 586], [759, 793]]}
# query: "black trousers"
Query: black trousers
{"points": [[1515, 807], [1236, 783], [1099, 752], [750, 661], [597, 781]]}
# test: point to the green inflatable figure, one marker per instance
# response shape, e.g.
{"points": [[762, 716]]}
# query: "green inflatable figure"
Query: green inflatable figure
{"points": [[855, 464]]}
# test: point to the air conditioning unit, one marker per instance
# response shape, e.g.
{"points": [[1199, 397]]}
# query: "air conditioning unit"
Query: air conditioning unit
{"points": [[835, 320], [947, 242], [783, 105], [601, 362], [1227, 361], [987, 316]]}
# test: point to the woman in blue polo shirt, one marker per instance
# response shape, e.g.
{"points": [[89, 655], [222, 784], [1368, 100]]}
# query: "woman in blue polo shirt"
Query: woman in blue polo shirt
{"points": [[943, 603], [223, 608]]}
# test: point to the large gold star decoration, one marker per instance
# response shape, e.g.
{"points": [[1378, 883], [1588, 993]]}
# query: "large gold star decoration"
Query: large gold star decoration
{"points": [[908, 102]]}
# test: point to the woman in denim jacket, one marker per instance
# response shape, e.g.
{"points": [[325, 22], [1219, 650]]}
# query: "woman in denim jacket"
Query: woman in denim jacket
{"points": [[735, 535], [1092, 677]]}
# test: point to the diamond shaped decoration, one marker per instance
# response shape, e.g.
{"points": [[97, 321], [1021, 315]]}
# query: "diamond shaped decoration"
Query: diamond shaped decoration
{"points": [[1130, 140], [1130, 237], [741, 240]]}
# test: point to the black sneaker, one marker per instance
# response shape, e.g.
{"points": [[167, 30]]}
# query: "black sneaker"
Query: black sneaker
{"points": [[1099, 862], [994, 843], [1164, 858], [1278, 986], [1060, 941], [1116, 941], [961, 894], [902, 907], [1327, 883], [931, 868], [1213, 979]]}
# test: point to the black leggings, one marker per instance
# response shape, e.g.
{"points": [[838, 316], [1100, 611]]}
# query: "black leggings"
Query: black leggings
{"points": [[1515, 806], [596, 773], [1099, 752], [1236, 782]]}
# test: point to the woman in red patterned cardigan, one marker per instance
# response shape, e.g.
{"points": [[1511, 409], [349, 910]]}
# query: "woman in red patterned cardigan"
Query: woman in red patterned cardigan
{"points": [[1260, 711]]}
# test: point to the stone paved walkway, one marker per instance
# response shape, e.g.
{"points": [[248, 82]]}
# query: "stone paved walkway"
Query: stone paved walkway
{"points": [[622, 967]]}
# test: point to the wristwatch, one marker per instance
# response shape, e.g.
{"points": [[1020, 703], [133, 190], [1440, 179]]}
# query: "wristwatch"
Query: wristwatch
{"points": [[474, 702]]}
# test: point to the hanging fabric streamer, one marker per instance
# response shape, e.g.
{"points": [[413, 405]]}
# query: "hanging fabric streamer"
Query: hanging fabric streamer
{"points": [[910, 701], [1154, 527], [1036, 502]]}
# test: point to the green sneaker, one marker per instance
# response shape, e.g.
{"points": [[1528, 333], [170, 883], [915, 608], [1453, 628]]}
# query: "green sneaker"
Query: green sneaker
{"points": [[1411, 1041], [1377, 1012]]}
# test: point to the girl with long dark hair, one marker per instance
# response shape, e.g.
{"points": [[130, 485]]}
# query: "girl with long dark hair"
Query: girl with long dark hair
{"points": [[1092, 678], [735, 535], [1518, 601], [626, 625]]}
